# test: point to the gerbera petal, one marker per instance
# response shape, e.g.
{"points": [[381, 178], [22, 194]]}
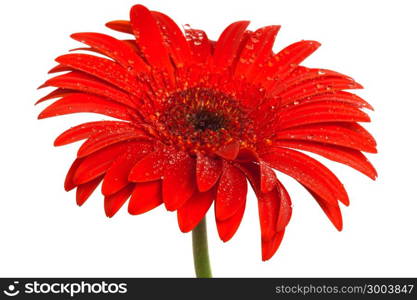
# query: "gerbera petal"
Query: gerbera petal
{"points": [[174, 39], [286, 60], [229, 151], [268, 178], [285, 207], [85, 130], [303, 75], [110, 137], [116, 177], [339, 96], [228, 44], [199, 44], [149, 38], [193, 211], [98, 163], [76, 103], [114, 202], [308, 172], [145, 197], [149, 168], [350, 157], [208, 171], [268, 206], [86, 83], [257, 49], [231, 192], [315, 87], [269, 247], [58, 93], [59, 68], [321, 112], [85, 190], [113, 48], [179, 180], [120, 25], [332, 211], [228, 227], [69, 183], [341, 134], [104, 69]]}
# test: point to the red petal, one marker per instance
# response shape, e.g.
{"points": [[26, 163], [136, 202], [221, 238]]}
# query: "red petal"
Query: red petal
{"points": [[268, 205], [77, 103], [104, 69], [191, 213], [114, 202], [228, 44], [69, 179], [308, 172], [227, 228], [59, 68], [342, 134], [323, 112], [85, 130], [149, 38], [229, 151], [199, 44], [110, 137], [117, 176], [145, 197], [231, 192], [179, 180], [58, 93], [269, 247], [285, 207], [268, 178], [120, 25], [285, 61], [315, 88], [113, 48], [208, 171], [149, 168], [257, 50], [97, 163], [340, 96], [85, 190], [332, 211], [303, 76], [83, 82], [350, 157], [178, 47]]}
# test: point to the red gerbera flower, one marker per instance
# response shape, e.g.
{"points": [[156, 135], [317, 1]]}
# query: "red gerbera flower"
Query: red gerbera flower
{"points": [[198, 119]]}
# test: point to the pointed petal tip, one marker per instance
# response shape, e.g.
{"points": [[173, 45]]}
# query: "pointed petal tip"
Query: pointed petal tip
{"points": [[110, 214], [185, 227], [338, 224], [75, 36], [69, 188], [169, 207], [315, 44]]}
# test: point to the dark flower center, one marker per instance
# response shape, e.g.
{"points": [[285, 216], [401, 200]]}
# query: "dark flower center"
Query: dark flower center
{"points": [[207, 120], [202, 119]]}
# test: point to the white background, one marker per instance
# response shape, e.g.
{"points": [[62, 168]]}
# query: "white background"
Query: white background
{"points": [[44, 233]]}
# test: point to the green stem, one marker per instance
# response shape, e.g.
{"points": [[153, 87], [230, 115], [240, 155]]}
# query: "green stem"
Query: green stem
{"points": [[200, 251]]}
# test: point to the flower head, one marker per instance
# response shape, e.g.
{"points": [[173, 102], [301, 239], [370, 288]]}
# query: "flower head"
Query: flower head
{"points": [[199, 119]]}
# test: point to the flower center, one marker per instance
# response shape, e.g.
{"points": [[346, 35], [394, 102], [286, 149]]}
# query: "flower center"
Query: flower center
{"points": [[207, 120], [202, 119]]}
